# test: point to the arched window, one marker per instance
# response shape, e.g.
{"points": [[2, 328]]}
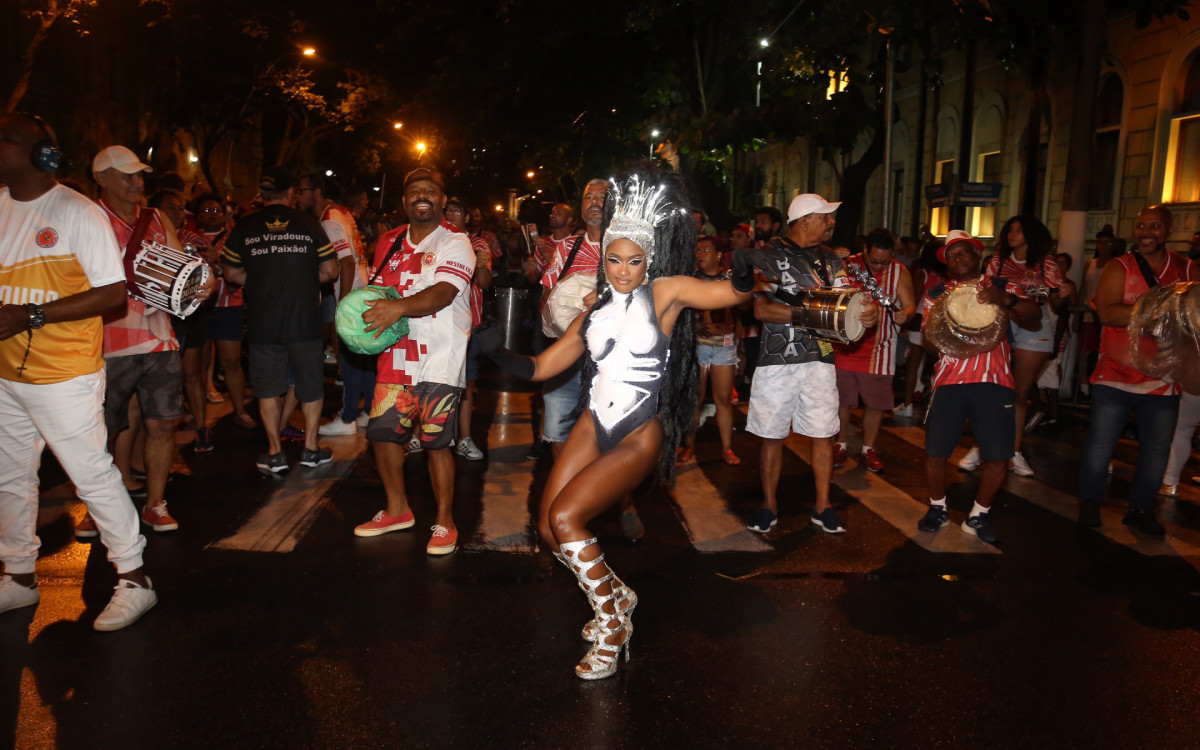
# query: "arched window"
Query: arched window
{"points": [[1181, 183], [1110, 110]]}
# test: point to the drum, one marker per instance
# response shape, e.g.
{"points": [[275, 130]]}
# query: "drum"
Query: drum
{"points": [[961, 326], [349, 321], [510, 311], [565, 303], [831, 314], [168, 279]]}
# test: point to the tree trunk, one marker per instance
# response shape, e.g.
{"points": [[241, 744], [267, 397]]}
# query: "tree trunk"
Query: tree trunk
{"points": [[853, 191]]}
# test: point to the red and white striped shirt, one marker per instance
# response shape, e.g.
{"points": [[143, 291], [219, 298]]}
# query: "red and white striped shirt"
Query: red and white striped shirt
{"points": [[435, 349], [875, 352], [481, 250], [990, 367], [136, 333], [587, 260]]}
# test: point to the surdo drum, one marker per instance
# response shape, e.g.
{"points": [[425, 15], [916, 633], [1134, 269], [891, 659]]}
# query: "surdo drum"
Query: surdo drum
{"points": [[831, 314], [167, 279]]}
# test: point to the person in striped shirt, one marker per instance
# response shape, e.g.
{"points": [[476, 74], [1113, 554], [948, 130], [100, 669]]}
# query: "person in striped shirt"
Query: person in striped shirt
{"points": [[865, 369], [978, 389]]}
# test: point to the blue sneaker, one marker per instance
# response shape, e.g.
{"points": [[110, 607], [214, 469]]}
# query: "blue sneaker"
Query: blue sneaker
{"points": [[828, 522], [981, 526], [763, 521], [936, 519]]}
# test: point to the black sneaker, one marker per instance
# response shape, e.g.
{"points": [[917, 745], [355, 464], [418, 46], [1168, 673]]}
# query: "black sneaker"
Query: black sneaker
{"points": [[981, 526], [1145, 522], [315, 458], [828, 522], [273, 464], [535, 450], [1089, 515], [936, 519]]}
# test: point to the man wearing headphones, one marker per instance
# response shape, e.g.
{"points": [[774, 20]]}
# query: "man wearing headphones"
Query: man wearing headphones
{"points": [[60, 268]]}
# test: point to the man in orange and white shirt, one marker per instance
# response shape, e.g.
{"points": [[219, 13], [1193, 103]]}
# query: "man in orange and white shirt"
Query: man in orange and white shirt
{"points": [[60, 268], [1119, 390], [865, 369], [141, 353]]}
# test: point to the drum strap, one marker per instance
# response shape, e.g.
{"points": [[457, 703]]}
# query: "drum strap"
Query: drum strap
{"points": [[571, 256], [1147, 273], [140, 228], [396, 245]]}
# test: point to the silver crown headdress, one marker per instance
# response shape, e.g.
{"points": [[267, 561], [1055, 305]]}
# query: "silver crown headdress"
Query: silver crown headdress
{"points": [[637, 209]]}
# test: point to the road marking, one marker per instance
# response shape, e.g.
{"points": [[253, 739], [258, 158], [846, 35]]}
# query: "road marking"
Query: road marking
{"points": [[896, 507], [710, 524], [1060, 503], [504, 520], [291, 509]]}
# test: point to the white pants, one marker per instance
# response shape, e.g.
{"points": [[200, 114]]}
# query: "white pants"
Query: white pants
{"points": [[69, 417], [1181, 445]]}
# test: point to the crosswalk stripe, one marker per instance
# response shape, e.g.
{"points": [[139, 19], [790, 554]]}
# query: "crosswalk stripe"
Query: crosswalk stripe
{"points": [[1060, 503], [291, 510], [896, 507], [710, 525], [504, 522]]}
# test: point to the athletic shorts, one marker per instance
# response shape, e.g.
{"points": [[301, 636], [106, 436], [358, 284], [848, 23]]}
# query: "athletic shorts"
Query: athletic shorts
{"points": [[269, 373], [875, 390], [716, 355], [191, 332], [801, 398], [427, 410], [226, 323], [328, 308], [156, 378], [989, 409]]}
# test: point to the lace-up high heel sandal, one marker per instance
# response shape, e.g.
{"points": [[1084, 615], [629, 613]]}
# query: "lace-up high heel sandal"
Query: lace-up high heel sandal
{"points": [[626, 599], [602, 657]]}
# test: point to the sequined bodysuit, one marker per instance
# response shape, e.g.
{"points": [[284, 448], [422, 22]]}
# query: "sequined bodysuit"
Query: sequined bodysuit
{"points": [[630, 350]]}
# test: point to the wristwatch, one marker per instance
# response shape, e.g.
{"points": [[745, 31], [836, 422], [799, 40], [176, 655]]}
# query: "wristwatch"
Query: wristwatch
{"points": [[37, 318]]}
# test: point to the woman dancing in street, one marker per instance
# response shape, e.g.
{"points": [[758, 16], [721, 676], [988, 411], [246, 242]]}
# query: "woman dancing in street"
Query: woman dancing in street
{"points": [[639, 388]]}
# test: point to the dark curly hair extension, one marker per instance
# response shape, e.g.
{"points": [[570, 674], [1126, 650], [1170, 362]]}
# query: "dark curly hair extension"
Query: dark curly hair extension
{"points": [[674, 255]]}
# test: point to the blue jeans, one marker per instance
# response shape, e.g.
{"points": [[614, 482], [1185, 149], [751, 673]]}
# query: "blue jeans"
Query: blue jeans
{"points": [[1155, 416], [358, 382], [560, 394]]}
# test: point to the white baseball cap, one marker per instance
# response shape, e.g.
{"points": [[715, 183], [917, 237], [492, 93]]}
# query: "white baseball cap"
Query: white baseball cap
{"points": [[809, 203], [120, 159]]}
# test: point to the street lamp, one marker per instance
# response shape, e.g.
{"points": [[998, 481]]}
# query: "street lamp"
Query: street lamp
{"points": [[398, 125], [309, 51], [653, 136]]}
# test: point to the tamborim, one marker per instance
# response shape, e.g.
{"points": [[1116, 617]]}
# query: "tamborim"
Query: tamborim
{"points": [[831, 314], [168, 279]]}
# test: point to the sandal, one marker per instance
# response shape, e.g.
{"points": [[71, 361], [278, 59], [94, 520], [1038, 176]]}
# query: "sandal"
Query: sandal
{"points": [[245, 420], [730, 457]]}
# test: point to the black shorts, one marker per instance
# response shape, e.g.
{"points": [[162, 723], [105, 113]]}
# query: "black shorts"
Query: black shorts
{"points": [[988, 407], [156, 378], [427, 410], [192, 332], [269, 369], [226, 323]]}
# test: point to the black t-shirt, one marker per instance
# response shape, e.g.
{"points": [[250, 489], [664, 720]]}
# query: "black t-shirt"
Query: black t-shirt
{"points": [[281, 250], [795, 268]]}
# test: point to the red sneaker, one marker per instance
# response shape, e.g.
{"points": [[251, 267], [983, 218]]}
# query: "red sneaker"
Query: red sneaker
{"points": [[382, 523], [871, 460], [839, 456], [86, 529], [443, 542], [157, 517]]}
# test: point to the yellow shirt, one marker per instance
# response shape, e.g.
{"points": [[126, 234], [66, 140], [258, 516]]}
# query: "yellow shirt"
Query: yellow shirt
{"points": [[54, 246]]}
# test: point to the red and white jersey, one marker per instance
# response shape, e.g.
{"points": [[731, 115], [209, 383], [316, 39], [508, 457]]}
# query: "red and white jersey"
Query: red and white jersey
{"points": [[990, 367], [875, 352], [1027, 282], [136, 333], [492, 241], [480, 247], [342, 230], [1114, 367], [587, 260], [435, 349]]}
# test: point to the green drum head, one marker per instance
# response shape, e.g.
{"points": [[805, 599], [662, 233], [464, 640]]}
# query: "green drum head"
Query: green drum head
{"points": [[350, 324]]}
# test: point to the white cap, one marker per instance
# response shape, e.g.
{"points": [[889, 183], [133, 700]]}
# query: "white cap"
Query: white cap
{"points": [[809, 203], [120, 159]]}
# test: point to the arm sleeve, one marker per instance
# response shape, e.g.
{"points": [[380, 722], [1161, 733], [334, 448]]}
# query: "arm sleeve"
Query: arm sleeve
{"points": [[97, 249], [456, 261], [339, 238]]}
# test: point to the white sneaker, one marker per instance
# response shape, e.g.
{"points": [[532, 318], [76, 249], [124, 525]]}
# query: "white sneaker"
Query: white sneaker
{"points": [[413, 446], [904, 410], [706, 411], [468, 450], [1018, 466], [14, 596], [362, 420], [970, 462], [129, 602], [336, 427]]}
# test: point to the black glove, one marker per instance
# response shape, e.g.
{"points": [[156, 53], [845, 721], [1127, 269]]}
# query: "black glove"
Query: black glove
{"points": [[519, 365], [743, 271], [489, 337]]}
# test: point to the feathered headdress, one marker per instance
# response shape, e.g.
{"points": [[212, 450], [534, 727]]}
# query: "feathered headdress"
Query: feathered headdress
{"points": [[637, 209]]}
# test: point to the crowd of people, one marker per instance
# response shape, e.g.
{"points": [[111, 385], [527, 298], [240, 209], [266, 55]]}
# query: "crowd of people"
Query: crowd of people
{"points": [[643, 313]]}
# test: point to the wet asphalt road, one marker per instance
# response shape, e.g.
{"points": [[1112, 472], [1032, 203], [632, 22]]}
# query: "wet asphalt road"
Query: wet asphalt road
{"points": [[1067, 638]]}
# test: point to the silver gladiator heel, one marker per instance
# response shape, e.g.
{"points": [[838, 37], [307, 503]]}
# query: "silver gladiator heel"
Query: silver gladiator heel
{"points": [[601, 659], [626, 599]]}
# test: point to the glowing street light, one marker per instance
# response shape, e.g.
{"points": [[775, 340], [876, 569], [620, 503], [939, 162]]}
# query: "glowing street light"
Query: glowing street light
{"points": [[397, 125], [499, 208], [529, 174], [309, 51]]}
